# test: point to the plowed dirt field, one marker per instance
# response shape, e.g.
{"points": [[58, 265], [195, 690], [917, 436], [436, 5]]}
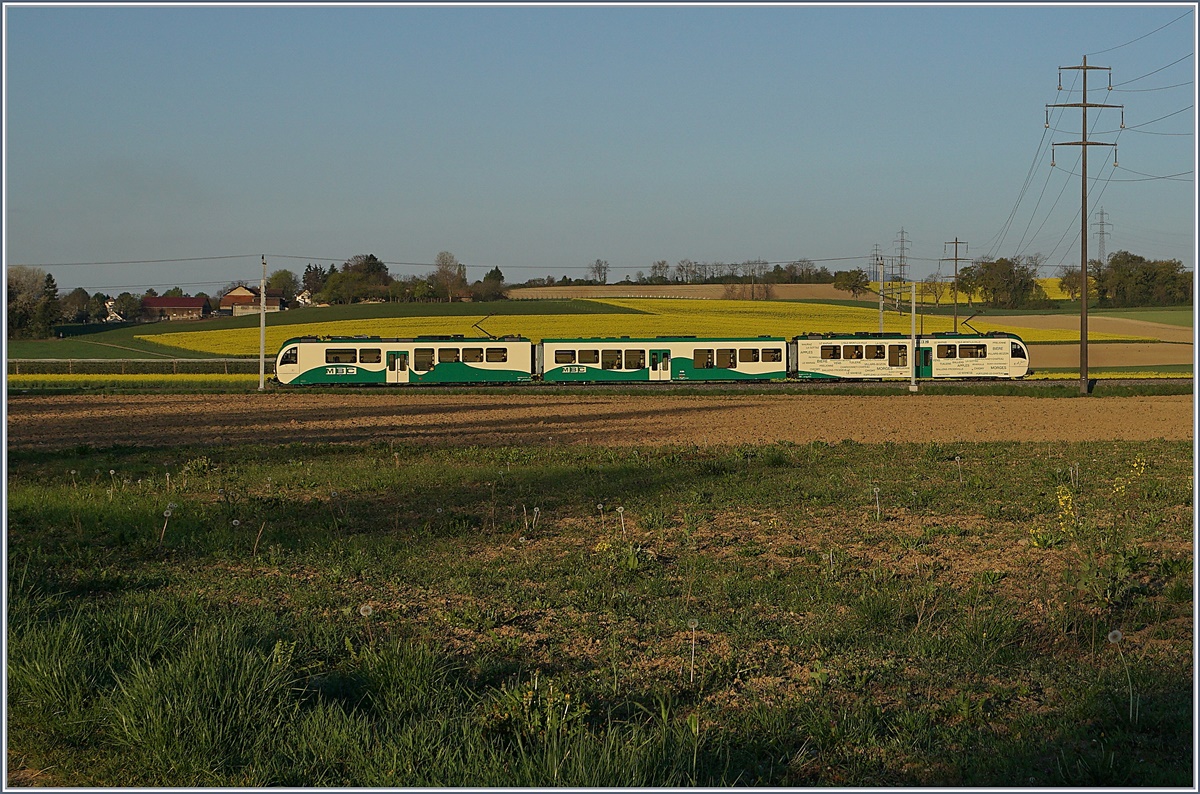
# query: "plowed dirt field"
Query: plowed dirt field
{"points": [[51, 422]]}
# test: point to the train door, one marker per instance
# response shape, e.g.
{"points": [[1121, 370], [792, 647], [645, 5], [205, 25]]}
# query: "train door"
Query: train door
{"points": [[660, 365], [925, 362], [397, 366]]}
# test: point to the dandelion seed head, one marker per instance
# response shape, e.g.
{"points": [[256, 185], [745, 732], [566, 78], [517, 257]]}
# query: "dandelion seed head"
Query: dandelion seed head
{"points": [[693, 623], [1115, 636], [72, 472], [439, 510], [620, 510], [599, 507], [333, 494], [237, 523], [537, 509], [167, 513], [112, 471], [365, 610]]}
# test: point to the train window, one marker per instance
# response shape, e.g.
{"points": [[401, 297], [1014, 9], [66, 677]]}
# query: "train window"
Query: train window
{"points": [[496, 354], [473, 355], [748, 354], [447, 355], [772, 354], [589, 356], [875, 352], [423, 359], [830, 352], [1017, 351], [852, 351], [289, 356], [897, 355], [727, 358], [337, 356], [397, 361], [610, 359], [564, 356], [702, 359], [972, 351], [635, 359], [371, 355], [947, 351]]}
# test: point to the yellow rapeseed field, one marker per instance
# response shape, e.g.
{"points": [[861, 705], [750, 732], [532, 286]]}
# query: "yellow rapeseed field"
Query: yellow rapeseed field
{"points": [[661, 317]]}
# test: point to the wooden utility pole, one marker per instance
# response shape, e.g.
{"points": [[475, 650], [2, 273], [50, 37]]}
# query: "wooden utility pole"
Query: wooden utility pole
{"points": [[262, 328], [1083, 215], [955, 282]]}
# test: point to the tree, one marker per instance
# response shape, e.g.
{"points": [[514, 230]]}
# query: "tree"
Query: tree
{"points": [[128, 306], [1069, 281], [659, 272], [25, 286], [75, 305], [286, 282], [856, 281], [97, 308], [934, 287], [314, 278], [598, 270], [490, 288], [47, 311], [449, 278], [174, 292]]}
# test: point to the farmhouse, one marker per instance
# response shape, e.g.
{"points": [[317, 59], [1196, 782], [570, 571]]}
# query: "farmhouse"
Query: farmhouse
{"points": [[158, 308], [245, 300]]}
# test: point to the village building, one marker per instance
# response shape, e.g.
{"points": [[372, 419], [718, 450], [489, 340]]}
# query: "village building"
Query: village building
{"points": [[245, 300], [160, 308]]}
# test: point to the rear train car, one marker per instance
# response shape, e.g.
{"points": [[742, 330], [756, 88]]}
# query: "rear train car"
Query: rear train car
{"points": [[872, 356], [673, 358], [359, 360]]}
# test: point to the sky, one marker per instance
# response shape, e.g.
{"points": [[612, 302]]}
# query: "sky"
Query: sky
{"points": [[538, 139]]}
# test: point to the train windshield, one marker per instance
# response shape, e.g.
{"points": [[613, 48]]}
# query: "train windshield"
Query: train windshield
{"points": [[289, 356]]}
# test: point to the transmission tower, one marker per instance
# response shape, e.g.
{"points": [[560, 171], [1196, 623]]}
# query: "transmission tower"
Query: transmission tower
{"points": [[1084, 143], [897, 272], [1101, 234]]}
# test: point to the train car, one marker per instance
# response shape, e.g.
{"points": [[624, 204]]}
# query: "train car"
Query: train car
{"points": [[992, 355], [361, 360], [872, 356], [663, 358]]}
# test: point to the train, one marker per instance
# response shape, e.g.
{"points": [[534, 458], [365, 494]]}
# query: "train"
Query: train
{"points": [[458, 359]]}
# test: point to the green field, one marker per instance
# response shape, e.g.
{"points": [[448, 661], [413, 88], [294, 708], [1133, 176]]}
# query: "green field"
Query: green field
{"points": [[780, 615]]}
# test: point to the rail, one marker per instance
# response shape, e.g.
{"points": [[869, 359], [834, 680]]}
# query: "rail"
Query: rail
{"points": [[135, 366]]}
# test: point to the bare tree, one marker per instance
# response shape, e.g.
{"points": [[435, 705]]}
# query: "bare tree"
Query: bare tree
{"points": [[935, 288], [598, 270], [449, 278]]}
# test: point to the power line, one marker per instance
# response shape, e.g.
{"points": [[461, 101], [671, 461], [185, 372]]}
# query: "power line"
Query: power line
{"points": [[142, 261], [1139, 38]]}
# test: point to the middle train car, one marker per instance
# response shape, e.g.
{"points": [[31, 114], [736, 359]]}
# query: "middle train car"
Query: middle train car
{"points": [[663, 358]]}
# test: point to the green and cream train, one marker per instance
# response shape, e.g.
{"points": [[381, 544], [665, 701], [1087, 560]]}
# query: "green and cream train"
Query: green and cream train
{"points": [[360, 360]]}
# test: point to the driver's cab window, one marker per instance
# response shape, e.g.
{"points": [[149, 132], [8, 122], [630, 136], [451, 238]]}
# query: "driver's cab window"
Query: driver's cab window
{"points": [[289, 356]]}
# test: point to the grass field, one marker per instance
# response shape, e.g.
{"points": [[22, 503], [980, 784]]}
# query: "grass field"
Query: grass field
{"points": [[375, 615]]}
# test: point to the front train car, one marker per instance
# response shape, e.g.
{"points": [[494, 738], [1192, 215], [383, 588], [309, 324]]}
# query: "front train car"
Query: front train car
{"points": [[360, 360]]}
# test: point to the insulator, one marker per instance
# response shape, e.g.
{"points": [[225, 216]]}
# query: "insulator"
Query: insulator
{"points": [[1122, 118], [1047, 118], [1060, 80]]}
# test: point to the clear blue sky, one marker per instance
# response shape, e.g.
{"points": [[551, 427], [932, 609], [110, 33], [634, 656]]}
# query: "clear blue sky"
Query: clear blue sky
{"points": [[539, 139]]}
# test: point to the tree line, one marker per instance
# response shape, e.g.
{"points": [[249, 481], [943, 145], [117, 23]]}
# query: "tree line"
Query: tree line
{"points": [[1124, 280], [34, 306]]}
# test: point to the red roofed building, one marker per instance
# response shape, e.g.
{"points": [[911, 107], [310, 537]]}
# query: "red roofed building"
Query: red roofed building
{"points": [[159, 308], [245, 300]]}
